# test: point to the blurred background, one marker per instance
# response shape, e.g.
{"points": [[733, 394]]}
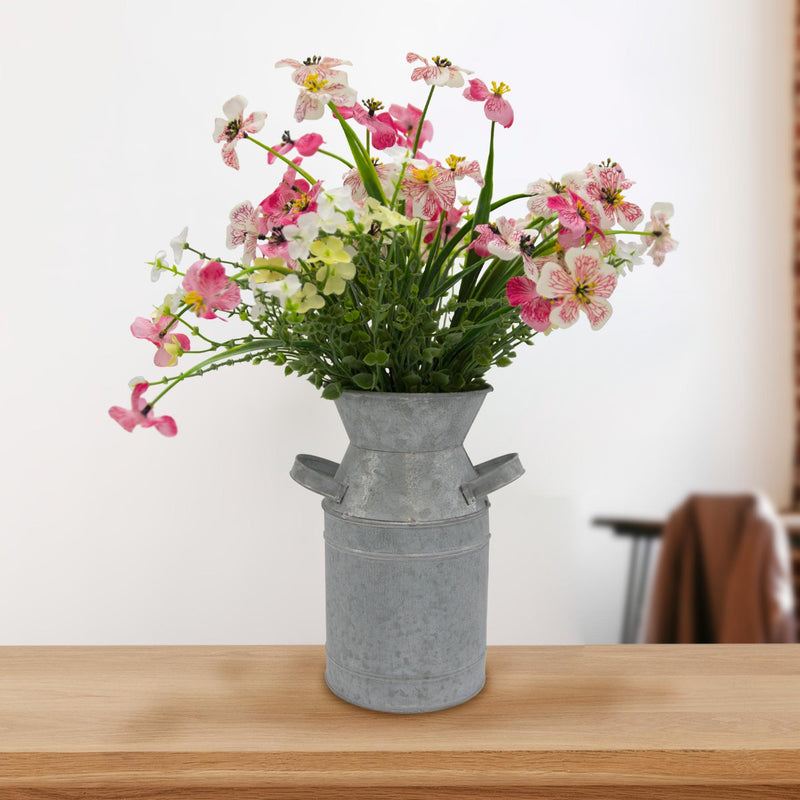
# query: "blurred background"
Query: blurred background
{"points": [[116, 538]]}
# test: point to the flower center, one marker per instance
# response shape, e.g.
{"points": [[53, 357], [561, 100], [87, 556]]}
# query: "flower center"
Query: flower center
{"points": [[500, 89], [194, 300], [442, 62], [372, 105], [314, 83], [300, 203], [612, 197], [583, 212], [453, 161], [312, 60], [584, 292], [287, 138], [424, 175], [232, 129]]}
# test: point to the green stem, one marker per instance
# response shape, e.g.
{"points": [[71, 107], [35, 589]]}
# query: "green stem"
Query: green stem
{"points": [[300, 170], [249, 347], [207, 257], [337, 157], [421, 120]]}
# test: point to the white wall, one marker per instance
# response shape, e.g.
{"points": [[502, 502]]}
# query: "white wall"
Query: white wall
{"points": [[108, 111]]}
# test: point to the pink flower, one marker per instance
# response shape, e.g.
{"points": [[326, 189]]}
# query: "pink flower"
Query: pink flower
{"points": [[139, 414], [379, 125], [542, 189], [293, 196], [406, 122], [441, 73], [307, 145], [315, 65], [209, 288], [465, 169], [170, 345], [431, 189], [236, 127], [387, 174], [320, 88], [513, 241], [243, 230], [578, 217], [487, 234], [605, 187], [583, 284], [534, 309], [496, 108], [449, 225], [661, 241]]}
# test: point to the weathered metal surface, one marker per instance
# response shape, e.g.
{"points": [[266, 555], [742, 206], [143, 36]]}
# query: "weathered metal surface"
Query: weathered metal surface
{"points": [[407, 549]]}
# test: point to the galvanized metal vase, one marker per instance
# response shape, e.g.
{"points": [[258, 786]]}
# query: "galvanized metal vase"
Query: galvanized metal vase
{"points": [[406, 550]]}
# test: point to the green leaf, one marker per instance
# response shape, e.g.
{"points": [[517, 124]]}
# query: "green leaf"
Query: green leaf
{"points": [[364, 380], [440, 379], [483, 356], [332, 391], [504, 362], [352, 362], [359, 336], [379, 357], [352, 315]]}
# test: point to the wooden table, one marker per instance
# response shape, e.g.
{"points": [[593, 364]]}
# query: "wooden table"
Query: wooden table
{"points": [[212, 723]]}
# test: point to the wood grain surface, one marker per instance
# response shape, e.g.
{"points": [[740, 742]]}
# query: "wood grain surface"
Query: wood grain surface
{"points": [[611, 722]]}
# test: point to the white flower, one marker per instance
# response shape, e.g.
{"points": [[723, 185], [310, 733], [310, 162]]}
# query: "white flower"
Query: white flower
{"points": [[329, 217], [301, 235], [177, 244], [631, 252], [159, 263], [258, 309], [282, 289]]}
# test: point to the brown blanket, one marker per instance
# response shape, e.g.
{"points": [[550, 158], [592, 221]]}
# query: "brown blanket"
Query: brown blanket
{"points": [[723, 574]]}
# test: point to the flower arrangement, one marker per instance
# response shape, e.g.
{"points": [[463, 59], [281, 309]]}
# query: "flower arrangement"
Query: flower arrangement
{"points": [[392, 281]]}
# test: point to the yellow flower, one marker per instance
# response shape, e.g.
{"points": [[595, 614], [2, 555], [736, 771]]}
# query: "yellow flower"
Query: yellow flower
{"points": [[334, 277], [384, 216], [267, 275], [305, 299], [329, 250]]}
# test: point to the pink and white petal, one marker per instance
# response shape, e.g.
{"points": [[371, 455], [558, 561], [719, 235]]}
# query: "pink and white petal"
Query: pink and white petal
{"points": [[630, 215], [219, 129], [234, 237], [566, 314], [309, 106], [499, 110], [555, 281], [255, 122], [234, 108], [583, 263], [229, 154], [249, 254], [502, 250], [288, 62], [598, 311]]}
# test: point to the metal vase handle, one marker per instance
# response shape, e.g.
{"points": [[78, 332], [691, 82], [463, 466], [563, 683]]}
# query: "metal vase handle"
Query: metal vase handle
{"points": [[492, 475], [317, 474]]}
